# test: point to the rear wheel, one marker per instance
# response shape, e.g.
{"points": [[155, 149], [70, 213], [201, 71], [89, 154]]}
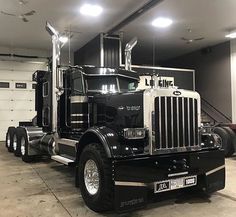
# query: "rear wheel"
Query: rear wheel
{"points": [[17, 142], [95, 178], [226, 140], [232, 140], [10, 138], [24, 146]]}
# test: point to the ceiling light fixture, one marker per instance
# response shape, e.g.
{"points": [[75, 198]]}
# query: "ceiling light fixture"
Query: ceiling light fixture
{"points": [[162, 22], [231, 35], [63, 39], [91, 10]]}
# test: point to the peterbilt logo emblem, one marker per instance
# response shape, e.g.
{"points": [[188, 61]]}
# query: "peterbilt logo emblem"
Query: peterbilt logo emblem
{"points": [[177, 93]]}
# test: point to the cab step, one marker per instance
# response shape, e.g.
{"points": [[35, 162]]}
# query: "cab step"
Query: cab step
{"points": [[63, 160]]}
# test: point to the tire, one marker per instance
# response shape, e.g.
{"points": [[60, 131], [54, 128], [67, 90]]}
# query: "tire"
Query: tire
{"points": [[232, 140], [9, 138], [24, 146], [17, 146], [101, 198], [226, 140]]}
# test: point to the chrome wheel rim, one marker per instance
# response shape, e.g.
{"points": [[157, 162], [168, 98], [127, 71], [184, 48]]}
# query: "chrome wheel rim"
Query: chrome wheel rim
{"points": [[14, 142], [8, 140], [91, 177], [218, 140], [22, 146]]}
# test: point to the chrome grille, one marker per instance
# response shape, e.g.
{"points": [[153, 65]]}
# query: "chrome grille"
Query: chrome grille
{"points": [[176, 123]]}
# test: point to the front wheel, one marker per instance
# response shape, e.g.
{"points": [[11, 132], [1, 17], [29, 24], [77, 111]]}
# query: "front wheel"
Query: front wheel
{"points": [[95, 178]]}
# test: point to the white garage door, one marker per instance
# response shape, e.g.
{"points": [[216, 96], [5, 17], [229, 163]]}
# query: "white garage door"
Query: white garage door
{"points": [[17, 94]]}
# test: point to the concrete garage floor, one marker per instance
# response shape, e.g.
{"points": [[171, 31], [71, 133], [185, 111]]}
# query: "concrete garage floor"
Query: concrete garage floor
{"points": [[46, 189]]}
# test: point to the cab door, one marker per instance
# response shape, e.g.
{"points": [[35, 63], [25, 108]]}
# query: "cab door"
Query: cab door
{"points": [[79, 103]]}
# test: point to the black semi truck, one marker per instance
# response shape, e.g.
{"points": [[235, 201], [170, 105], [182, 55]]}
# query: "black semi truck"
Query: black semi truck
{"points": [[122, 142]]}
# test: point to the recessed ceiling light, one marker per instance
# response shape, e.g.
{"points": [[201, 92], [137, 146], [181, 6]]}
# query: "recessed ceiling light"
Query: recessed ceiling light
{"points": [[63, 39], [162, 22], [91, 10], [231, 35]]}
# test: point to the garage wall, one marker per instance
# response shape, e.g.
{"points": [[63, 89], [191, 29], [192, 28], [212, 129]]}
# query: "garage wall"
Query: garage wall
{"points": [[213, 74], [17, 98]]}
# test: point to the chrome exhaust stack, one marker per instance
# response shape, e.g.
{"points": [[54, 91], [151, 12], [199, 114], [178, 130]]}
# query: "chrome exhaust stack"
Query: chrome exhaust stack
{"points": [[128, 50], [57, 75]]}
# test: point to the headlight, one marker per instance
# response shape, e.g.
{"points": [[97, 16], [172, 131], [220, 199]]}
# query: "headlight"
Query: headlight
{"points": [[134, 133]]}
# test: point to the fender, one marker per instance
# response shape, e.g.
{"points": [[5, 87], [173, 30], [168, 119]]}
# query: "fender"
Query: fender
{"points": [[106, 136]]}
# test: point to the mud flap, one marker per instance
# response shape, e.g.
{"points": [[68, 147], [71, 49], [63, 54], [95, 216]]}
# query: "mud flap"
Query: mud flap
{"points": [[213, 180], [128, 198]]}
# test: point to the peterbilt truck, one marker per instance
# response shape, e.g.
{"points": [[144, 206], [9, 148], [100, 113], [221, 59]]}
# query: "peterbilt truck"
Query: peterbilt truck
{"points": [[124, 143]]}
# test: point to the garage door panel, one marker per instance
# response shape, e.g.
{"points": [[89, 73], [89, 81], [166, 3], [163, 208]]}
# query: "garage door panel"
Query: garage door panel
{"points": [[5, 95], [23, 105], [4, 116], [22, 66], [17, 104], [7, 123], [15, 75], [22, 115], [3, 135], [6, 105], [21, 95], [4, 126]]}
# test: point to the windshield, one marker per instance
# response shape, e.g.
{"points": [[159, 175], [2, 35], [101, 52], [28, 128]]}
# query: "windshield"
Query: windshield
{"points": [[108, 84], [104, 84], [127, 84]]}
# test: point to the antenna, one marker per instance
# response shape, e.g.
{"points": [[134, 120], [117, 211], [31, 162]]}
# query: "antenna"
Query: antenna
{"points": [[69, 44], [153, 53]]}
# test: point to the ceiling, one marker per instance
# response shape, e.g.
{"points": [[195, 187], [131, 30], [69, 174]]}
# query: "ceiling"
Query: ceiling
{"points": [[210, 19], [63, 15]]}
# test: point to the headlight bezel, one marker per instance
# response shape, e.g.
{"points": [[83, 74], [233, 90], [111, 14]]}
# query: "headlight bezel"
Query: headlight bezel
{"points": [[134, 133]]}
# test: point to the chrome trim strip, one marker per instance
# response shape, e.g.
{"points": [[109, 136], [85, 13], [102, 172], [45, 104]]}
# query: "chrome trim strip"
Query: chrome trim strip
{"points": [[79, 99], [120, 51], [79, 122], [78, 115], [183, 122], [118, 84], [111, 37], [136, 184], [61, 159], [68, 142], [102, 50], [164, 68], [160, 131], [115, 74], [172, 122], [194, 81], [177, 119], [188, 107], [215, 170], [178, 174], [166, 123], [194, 129]]}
